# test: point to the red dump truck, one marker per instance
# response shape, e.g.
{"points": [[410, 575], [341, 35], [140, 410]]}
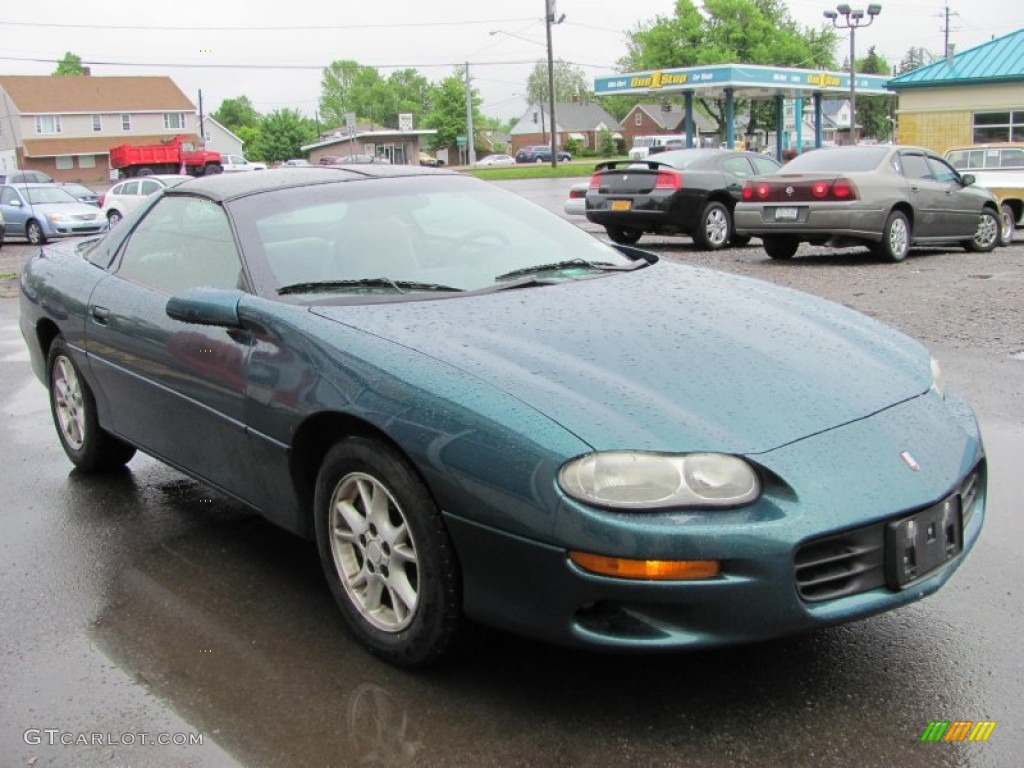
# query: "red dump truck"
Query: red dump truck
{"points": [[166, 157]]}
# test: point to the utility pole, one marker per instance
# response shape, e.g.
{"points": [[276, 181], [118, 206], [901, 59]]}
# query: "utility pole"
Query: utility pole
{"points": [[946, 30], [469, 119], [202, 128], [549, 18]]}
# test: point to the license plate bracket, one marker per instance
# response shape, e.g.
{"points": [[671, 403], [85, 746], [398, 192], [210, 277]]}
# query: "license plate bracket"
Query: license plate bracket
{"points": [[787, 214], [919, 543]]}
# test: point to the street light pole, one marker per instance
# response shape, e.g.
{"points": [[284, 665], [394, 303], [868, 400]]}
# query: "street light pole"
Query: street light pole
{"points": [[852, 20]]}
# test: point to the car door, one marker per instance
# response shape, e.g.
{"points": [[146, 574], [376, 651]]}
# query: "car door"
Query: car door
{"points": [[177, 390], [735, 170], [962, 207], [14, 210], [929, 197]]}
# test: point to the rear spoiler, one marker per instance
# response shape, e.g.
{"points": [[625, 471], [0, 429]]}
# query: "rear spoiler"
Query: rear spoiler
{"points": [[611, 165]]}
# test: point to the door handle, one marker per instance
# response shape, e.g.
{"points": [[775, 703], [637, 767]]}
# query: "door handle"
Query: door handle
{"points": [[100, 314]]}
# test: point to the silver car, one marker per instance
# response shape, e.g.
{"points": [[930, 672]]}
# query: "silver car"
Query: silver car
{"points": [[126, 196], [889, 198], [39, 212]]}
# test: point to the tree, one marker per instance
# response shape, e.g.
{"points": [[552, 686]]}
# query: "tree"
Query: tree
{"points": [[70, 65], [914, 58], [347, 86], [282, 134], [729, 31], [448, 113], [571, 83], [237, 113], [873, 111]]}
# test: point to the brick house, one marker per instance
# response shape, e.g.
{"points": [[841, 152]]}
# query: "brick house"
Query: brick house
{"points": [[582, 122], [652, 120], [67, 125]]}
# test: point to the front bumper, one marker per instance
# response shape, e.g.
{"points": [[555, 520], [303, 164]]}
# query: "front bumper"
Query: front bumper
{"points": [[531, 587]]}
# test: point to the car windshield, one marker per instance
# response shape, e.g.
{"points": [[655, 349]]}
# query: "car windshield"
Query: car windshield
{"points": [[37, 195], [838, 159], [451, 231]]}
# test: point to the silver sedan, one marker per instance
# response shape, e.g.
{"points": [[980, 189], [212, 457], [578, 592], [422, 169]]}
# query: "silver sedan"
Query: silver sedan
{"points": [[888, 198]]}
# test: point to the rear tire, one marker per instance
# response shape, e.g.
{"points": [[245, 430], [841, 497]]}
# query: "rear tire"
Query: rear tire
{"points": [[896, 238], [988, 235], [780, 246], [73, 407], [386, 554], [144, 172], [213, 169], [714, 228], [624, 235], [34, 233], [1009, 225], [113, 219]]}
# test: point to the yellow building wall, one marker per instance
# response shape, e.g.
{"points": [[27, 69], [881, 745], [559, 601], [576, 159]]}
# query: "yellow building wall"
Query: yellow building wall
{"points": [[942, 118]]}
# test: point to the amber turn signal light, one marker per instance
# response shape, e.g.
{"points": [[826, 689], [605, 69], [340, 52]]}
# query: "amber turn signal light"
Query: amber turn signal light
{"points": [[650, 570]]}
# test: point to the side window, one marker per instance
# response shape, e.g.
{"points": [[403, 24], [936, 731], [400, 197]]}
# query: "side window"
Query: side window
{"points": [[942, 171], [130, 188], [764, 165], [183, 242], [1012, 158], [148, 187], [7, 196], [738, 166], [915, 166]]}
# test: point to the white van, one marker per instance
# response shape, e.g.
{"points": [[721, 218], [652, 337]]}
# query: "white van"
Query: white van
{"points": [[642, 145]]}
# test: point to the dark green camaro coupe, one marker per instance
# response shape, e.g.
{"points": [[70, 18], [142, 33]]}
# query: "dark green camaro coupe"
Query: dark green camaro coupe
{"points": [[479, 411]]}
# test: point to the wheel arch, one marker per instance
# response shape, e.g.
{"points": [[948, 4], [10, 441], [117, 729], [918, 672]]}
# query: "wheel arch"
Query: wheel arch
{"points": [[315, 436], [1016, 205], [907, 210], [46, 332]]}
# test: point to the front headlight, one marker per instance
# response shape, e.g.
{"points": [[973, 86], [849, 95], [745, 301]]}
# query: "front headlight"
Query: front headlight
{"points": [[938, 382], [58, 217], [640, 480]]}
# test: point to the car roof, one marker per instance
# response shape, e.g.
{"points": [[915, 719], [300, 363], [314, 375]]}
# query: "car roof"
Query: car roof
{"points": [[229, 186]]}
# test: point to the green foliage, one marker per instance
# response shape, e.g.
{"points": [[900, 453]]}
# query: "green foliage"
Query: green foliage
{"points": [[571, 83], [914, 58], [448, 111], [237, 113], [873, 111], [606, 146], [347, 86], [250, 136], [282, 134], [572, 146], [70, 65]]}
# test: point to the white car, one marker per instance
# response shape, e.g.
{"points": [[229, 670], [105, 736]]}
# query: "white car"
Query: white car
{"points": [[576, 203], [233, 163], [125, 196], [496, 160]]}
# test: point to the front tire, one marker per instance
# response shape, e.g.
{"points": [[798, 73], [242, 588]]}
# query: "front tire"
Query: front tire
{"points": [[715, 226], [987, 237], [1009, 227], [780, 246], [386, 555], [624, 235], [213, 169], [73, 407], [896, 237], [34, 233]]}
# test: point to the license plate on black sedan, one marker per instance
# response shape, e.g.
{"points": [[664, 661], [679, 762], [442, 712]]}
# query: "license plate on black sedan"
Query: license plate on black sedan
{"points": [[787, 214], [621, 205], [917, 545]]}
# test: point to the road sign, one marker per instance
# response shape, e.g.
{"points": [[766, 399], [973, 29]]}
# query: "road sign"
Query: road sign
{"points": [[461, 141]]}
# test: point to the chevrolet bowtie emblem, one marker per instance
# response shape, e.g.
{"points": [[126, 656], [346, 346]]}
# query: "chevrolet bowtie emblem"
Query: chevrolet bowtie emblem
{"points": [[789, 191]]}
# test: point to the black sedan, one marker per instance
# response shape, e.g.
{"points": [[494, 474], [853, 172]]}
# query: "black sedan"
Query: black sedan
{"points": [[686, 192]]}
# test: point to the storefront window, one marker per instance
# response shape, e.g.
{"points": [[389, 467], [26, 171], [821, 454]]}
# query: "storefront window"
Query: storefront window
{"points": [[990, 127]]}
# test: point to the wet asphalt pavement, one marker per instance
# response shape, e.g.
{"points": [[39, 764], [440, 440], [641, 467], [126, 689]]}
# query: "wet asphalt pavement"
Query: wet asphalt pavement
{"points": [[142, 603]]}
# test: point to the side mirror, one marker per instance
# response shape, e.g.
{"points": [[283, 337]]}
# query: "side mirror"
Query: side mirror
{"points": [[206, 306], [967, 179]]}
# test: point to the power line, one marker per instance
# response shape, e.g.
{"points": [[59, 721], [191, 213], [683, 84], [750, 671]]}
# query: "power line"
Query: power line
{"points": [[276, 28]]}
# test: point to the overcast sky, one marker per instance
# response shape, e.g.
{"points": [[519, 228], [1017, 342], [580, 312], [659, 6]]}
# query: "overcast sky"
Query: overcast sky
{"points": [[292, 40]]}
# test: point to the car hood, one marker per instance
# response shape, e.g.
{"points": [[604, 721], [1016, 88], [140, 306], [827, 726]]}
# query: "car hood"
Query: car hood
{"points": [[667, 358], [68, 209]]}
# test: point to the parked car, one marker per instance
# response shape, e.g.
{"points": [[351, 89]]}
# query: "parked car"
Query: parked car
{"points": [[2, 230], [234, 163], [576, 203], [39, 212], [490, 160], [478, 411], [668, 146], [1000, 169], [296, 162], [82, 193], [645, 145], [430, 161], [889, 198], [126, 196], [685, 192], [26, 177], [353, 160], [539, 154]]}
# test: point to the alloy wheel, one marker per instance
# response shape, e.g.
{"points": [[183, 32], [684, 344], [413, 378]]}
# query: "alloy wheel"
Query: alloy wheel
{"points": [[67, 394]]}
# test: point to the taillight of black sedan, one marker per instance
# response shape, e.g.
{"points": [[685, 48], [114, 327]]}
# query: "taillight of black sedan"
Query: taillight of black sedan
{"points": [[685, 192]]}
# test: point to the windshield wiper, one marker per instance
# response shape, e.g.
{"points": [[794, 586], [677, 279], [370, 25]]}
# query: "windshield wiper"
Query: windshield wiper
{"points": [[602, 266], [402, 286]]}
